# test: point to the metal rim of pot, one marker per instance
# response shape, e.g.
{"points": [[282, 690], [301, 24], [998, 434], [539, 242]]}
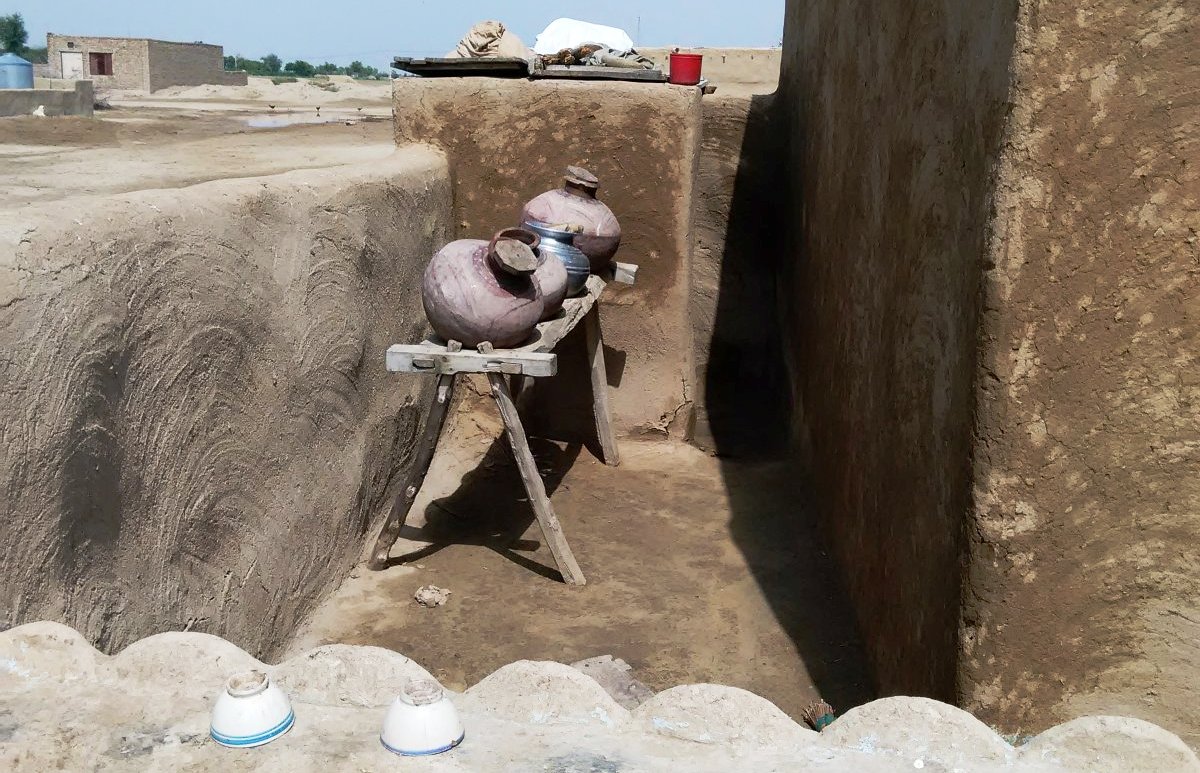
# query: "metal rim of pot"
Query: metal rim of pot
{"points": [[565, 232]]}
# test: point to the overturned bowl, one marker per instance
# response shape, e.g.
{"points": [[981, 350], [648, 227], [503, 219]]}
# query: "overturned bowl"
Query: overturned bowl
{"points": [[422, 721], [250, 711]]}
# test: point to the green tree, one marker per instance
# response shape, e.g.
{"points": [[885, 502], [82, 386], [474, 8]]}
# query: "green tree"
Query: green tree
{"points": [[301, 68], [272, 63], [328, 68], [252, 66], [13, 35], [357, 69], [231, 63]]}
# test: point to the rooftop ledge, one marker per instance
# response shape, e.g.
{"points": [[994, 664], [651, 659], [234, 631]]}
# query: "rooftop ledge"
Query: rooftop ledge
{"points": [[68, 706]]}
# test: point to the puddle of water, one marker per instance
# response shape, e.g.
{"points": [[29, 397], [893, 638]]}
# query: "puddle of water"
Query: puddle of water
{"points": [[293, 119]]}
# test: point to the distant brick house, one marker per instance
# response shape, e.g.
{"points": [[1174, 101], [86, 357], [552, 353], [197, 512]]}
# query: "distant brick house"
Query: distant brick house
{"points": [[138, 63]]}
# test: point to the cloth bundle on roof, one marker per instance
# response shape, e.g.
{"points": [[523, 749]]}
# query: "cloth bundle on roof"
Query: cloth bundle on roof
{"points": [[630, 59], [598, 55], [490, 39]]}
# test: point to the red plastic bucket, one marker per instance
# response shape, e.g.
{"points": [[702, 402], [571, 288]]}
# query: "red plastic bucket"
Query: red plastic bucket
{"points": [[685, 69]]}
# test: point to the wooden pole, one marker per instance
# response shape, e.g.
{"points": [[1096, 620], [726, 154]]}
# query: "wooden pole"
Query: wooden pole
{"points": [[404, 500], [551, 528], [600, 411]]}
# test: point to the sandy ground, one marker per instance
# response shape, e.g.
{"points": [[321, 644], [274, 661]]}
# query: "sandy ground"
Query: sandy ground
{"points": [[698, 571], [139, 147], [336, 90]]}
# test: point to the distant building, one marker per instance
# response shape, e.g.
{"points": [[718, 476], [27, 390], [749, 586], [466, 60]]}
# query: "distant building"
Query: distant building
{"points": [[138, 63]]}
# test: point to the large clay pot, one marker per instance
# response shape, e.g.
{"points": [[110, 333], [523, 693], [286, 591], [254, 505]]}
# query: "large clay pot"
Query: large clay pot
{"points": [[476, 291], [559, 242], [576, 204]]}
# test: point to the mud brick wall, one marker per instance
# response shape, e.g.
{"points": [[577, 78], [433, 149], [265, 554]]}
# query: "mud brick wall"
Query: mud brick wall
{"points": [[131, 60], [189, 64], [146, 65]]}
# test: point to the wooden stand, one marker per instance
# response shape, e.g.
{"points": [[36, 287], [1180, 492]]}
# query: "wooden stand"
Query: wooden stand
{"points": [[534, 360]]}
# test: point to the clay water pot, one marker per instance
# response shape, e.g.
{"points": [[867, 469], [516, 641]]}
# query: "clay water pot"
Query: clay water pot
{"points": [[576, 203], [476, 291], [558, 241], [550, 276]]}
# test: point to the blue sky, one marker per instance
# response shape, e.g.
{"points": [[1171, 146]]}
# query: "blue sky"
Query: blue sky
{"points": [[374, 30]]}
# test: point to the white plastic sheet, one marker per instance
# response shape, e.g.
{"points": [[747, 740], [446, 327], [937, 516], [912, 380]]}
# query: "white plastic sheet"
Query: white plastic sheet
{"points": [[572, 33]]}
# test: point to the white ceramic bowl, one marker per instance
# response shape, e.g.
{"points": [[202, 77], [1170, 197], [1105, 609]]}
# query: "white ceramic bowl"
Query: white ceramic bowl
{"points": [[250, 711], [422, 721]]}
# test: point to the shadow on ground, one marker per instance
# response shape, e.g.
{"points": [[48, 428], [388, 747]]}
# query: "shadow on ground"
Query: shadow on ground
{"points": [[490, 508], [749, 416]]}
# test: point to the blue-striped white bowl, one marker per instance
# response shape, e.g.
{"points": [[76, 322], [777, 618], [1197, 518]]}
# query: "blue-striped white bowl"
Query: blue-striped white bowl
{"points": [[250, 711], [421, 722]]}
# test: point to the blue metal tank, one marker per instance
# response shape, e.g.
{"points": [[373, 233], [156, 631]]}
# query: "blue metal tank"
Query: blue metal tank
{"points": [[15, 72]]}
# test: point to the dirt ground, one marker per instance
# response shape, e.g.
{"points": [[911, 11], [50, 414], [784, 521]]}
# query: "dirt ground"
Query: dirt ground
{"points": [[171, 146], [698, 571]]}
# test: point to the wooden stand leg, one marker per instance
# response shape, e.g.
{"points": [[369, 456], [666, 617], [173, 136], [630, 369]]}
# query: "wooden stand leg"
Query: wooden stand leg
{"points": [[600, 411], [404, 500], [551, 529]]}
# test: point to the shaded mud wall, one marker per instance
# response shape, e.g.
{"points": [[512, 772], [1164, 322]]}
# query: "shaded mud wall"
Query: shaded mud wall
{"points": [[894, 114], [508, 140], [742, 407], [197, 430], [1085, 575], [741, 390]]}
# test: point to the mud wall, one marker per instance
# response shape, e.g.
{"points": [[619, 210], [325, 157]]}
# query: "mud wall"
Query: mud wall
{"points": [[1085, 589], [508, 140], [189, 64], [197, 430], [894, 113], [1022, 397], [741, 385], [78, 99]]}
